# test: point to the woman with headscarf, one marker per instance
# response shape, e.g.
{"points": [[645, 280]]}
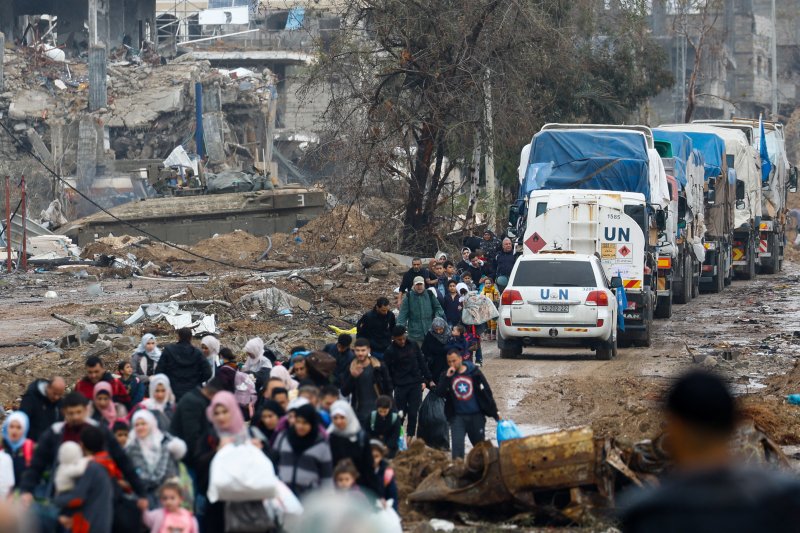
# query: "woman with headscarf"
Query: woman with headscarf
{"points": [[264, 425], [302, 455], [282, 373], [209, 345], [104, 410], [154, 454], [17, 444], [349, 441], [256, 360], [227, 427], [145, 358], [434, 347], [161, 401]]}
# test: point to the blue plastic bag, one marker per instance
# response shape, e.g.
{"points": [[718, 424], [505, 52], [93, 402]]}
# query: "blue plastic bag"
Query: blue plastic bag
{"points": [[793, 399], [507, 430]]}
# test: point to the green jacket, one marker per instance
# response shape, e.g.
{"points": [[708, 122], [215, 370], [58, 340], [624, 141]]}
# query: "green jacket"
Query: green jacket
{"points": [[417, 313]]}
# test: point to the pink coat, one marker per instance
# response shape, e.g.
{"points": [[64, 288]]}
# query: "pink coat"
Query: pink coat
{"points": [[158, 521]]}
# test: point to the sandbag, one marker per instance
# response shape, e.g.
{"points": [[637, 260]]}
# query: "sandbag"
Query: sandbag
{"points": [[432, 425], [241, 473], [478, 309]]}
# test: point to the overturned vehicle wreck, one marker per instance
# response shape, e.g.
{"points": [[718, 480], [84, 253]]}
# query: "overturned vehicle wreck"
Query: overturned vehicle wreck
{"points": [[570, 476]]}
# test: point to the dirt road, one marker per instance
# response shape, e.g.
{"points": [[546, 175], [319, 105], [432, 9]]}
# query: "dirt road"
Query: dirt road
{"points": [[754, 322]]}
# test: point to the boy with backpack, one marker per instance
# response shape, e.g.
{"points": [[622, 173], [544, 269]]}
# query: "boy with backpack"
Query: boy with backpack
{"points": [[385, 425]]}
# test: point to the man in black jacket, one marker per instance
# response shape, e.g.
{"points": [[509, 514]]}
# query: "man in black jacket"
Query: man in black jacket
{"points": [[42, 403], [409, 374], [340, 350], [183, 364], [376, 326], [468, 401], [76, 418], [504, 264], [407, 282], [366, 379], [189, 422]]}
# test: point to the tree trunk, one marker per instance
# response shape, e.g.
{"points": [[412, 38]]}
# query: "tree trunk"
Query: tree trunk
{"points": [[475, 176], [416, 217]]}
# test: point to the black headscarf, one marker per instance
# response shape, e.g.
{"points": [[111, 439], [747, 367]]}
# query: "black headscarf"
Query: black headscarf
{"points": [[301, 444], [267, 405]]}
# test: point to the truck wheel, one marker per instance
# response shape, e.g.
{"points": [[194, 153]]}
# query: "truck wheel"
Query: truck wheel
{"points": [[663, 307], [682, 290], [718, 284], [750, 271], [769, 265], [642, 338], [695, 280]]}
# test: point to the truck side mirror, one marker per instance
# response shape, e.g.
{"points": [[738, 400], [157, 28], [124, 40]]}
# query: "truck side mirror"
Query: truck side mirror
{"points": [[661, 220], [513, 215], [793, 180], [740, 190], [682, 208], [616, 282]]}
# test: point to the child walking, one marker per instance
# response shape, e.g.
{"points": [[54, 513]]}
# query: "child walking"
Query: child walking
{"points": [[171, 517]]}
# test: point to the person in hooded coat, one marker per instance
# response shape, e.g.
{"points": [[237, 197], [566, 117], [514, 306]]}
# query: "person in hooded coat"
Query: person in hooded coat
{"points": [[434, 347], [183, 364], [210, 346], [161, 401], [303, 456], [257, 363], [349, 441], [17, 444], [154, 454], [146, 357]]}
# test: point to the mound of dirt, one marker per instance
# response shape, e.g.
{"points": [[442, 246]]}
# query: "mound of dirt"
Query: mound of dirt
{"points": [[414, 465], [237, 247]]}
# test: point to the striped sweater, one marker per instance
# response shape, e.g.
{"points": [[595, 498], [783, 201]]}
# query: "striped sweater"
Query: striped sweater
{"points": [[309, 470]]}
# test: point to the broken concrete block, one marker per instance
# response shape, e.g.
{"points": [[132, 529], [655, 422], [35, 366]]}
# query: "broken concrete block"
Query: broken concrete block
{"points": [[435, 525], [379, 269], [124, 343], [99, 348], [275, 299], [710, 362]]}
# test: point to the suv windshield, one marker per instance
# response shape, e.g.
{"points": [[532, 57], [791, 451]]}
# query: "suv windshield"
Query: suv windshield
{"points": [[554, 274]]}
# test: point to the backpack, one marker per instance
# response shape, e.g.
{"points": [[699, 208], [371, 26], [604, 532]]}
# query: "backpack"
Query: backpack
{"points": [[374, 415]]}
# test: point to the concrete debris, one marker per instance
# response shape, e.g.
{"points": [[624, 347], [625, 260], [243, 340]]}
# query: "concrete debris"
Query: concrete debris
{"points": [[435, 525], [53, 217], [99, 348], [52, 247], [276, 300], [175, 316], [51, 294], [30, 104]]}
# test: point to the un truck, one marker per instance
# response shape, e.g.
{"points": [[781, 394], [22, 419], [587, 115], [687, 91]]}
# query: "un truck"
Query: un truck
{"points": [[598, 190], [718, 206], [776, 183], [685, 174]]}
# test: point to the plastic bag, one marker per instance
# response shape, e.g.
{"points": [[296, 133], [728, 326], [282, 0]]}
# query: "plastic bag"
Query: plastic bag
{"points": [[432, 425], [286, 502], [507, 430], [387, 520], [241, 473], [478, 309]]}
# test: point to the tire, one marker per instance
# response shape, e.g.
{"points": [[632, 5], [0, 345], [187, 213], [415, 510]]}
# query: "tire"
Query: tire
{"points": [[509, 349], [607, 350], [750, 272], [663, 307], [719, 280], [695, 280], [771, 264], [682, 290], [643, 338]]}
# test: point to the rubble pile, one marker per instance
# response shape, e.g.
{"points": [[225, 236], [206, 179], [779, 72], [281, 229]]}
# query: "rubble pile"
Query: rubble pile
{"points": [[150, 107]]}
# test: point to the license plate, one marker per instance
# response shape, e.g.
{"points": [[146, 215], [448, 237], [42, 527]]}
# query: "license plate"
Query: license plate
{"points": [[554, 308]]}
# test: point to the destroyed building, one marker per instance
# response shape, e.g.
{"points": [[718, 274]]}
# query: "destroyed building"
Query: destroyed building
{"points": [[735, 70]]}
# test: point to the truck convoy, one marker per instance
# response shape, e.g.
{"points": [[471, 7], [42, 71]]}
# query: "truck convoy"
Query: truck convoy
{"points": [[667, 212]]}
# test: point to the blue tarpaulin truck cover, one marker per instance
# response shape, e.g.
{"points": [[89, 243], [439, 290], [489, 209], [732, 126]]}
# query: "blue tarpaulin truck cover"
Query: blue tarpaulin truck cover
{"points": [[710, 145], [588, 159], [681, 150]]}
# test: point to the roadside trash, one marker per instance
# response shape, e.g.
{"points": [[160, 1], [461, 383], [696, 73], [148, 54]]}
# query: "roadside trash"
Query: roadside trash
{"points": [[507, 430], [177, 316], [432, 426], [51, 294], [793, 399], [95, 289]]}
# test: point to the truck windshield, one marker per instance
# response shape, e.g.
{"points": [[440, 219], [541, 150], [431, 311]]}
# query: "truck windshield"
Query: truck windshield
{"points": [[554, 274]]}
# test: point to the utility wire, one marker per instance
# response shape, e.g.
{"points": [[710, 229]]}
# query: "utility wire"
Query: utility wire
{"points": [[116, 218]]}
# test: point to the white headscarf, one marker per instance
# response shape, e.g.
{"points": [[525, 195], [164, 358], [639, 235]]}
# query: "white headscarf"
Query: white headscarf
{"points": [[155, 381], [155, 354], [343, 408], [150, 445], [256, 360], [212, 343], [282, 373]]}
